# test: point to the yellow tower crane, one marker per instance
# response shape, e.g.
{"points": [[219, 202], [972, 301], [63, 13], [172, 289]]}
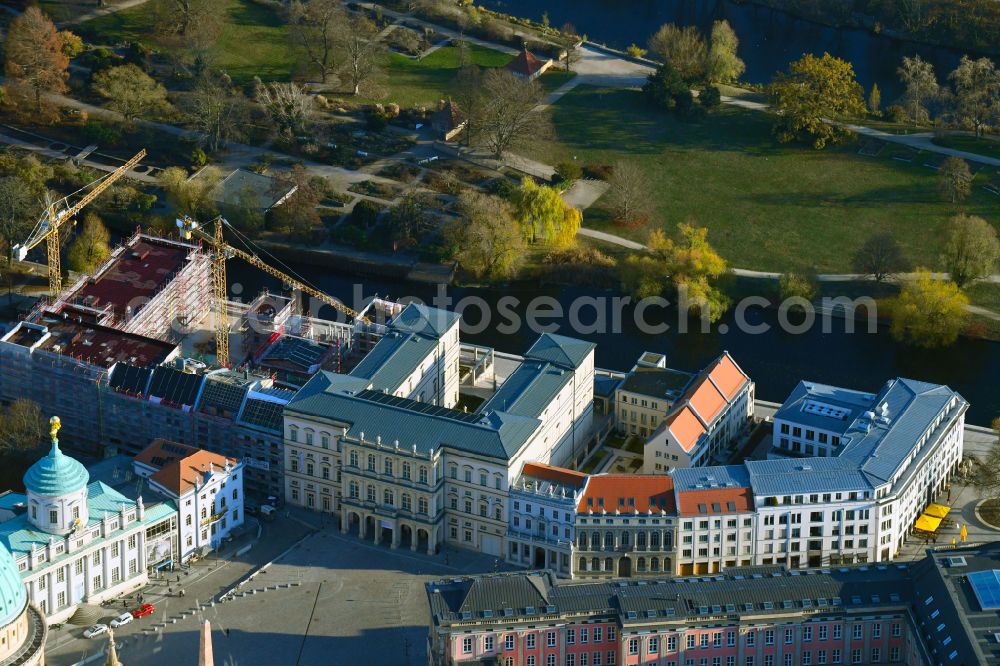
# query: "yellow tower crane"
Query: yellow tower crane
{"points": [[57, 213], [223, 251]]}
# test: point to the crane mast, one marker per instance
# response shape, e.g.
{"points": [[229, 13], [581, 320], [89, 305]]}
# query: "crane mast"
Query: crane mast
{"points": [[48, 226], [223, 251]]}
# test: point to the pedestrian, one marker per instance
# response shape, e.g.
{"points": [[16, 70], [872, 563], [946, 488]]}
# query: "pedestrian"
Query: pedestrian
{"points": [[227, 633], [446, 558]]}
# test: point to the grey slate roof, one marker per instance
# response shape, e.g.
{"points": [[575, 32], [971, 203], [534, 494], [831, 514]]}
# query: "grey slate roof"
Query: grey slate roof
{"points": [[412, 335], [855, 402], [662, 383], [529, 389], [328, 395], [806, 475], [703, 478], [750, 591], [560, 350]]}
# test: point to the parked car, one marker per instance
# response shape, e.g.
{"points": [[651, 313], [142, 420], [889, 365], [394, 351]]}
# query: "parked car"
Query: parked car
{"points": [[124, 618], [143, 610], [95, 631], [267, 511]]}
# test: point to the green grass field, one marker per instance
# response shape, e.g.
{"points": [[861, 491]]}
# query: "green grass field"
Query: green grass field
{"points": [[767, 206], [424, 82], [987, 146], [253, 42]]}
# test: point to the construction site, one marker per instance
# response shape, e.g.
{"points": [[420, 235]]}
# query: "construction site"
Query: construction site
{"points": [[129, 354]]}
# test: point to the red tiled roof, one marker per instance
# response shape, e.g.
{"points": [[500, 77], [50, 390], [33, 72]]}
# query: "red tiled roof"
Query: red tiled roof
{"points": [[525, 63], [714, 501], [705, 400], [627, 493], [685, 427], [179, 465], [566, 477]]}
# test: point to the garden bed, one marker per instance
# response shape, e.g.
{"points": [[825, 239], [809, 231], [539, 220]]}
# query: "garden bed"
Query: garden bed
{"points": [[377, 189]]}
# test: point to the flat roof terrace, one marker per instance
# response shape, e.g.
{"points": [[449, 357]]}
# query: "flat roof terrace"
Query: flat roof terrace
{"points": [[97, 345], [132, 276]]}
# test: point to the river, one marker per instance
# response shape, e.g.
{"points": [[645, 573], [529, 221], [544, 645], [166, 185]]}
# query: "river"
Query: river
{"points": [[776, 360], [769, 39]]}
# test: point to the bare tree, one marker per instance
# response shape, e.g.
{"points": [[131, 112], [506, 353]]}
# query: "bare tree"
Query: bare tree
{"points": [[217, 111], [362, 54], [977, 92], [920, 87], [572, 55], [629, 194], [22, 427], [507, 118], [955, 179], [881, 257], [316, 28], [186, 18], [684, 48], [17, 213], [470, 99], [288, 107]]}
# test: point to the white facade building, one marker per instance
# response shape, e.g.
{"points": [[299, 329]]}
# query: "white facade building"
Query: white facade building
{"points": [[76, 543], [206, 488]]}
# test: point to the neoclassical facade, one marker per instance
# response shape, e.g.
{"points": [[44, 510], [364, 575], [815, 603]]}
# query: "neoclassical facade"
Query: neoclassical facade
{"points": [[77, 542]]}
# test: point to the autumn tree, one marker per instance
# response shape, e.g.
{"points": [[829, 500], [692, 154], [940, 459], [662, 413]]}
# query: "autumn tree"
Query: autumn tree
{"points": [[187, 19], [287, 105], [684, 48], [987, 479], [130, 91], [191, 196], [315, 29], [881, 257], [629, 194], [507, 117], [689, 264], [90, 247], [362, 55], [485, 236], [928, 312], [33, 55], [971, 249], [813, 91], [18, 211], [22, 428], [797, 285], [976, 85], [217, 110], [543, 215], [955, 179], [920, 88], [724, 65], [875, 101]]}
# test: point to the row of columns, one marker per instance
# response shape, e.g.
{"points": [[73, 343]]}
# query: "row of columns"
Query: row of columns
{"points": [[396, 529]]}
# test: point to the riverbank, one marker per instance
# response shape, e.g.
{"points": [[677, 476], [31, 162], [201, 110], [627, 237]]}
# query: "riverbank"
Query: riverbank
{"points": [[365, 263]]}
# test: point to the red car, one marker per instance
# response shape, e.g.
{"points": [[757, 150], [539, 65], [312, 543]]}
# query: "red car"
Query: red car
{"points": [[143, 610]]}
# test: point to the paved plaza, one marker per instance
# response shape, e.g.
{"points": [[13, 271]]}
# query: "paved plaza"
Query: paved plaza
{"points": [[332, 599]]}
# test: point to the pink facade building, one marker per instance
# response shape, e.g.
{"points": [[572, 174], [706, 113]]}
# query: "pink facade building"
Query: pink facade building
{"points": [[913, 614]]}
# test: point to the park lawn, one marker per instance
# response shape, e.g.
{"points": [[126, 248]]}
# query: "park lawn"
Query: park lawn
{"points": [[253, 42], [554, 78], [767, 206], [424, 82], [990, 147]]}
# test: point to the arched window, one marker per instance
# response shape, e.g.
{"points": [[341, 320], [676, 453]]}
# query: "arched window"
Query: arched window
{"points": [[583, 541], [595, 564], [609, 564], [309, 436], [422, 506], [641, 564], [626, 539], [370, 492], [640, 540], [293, 433], [498, 481], [387, 497], [654, 541], [423, 475], [497, 513], [654, 564], [583, 564], [354, 490], [406, 502], [371, 462], [324, 440], [609, 541], [453, 471], [387, 466], [595, 540], [354, 459]]}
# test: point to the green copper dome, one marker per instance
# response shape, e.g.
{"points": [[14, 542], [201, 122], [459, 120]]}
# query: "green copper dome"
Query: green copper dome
{"points": [[56, 474], [13, 595]]}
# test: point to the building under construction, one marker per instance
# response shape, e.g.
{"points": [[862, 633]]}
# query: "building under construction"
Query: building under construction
{"points": [[154, 287], [107, 357]]}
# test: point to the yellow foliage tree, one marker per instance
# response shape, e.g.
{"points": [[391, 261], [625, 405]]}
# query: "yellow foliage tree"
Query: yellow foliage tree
{"points": [[929, 312]]}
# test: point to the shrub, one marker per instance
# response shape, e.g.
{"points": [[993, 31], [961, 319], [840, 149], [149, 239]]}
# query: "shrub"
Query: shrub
{"points": [[198, 158], [897, 113], [635, 51], [502, 187], [797, 285], [99, 133], [710, 97], [598, 171], [365, 214], [569, 171]]}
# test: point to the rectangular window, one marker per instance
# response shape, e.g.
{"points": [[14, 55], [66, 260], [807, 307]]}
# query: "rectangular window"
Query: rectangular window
{"points": [[508, 642], [488, 644], [571, 637], [529, 641], [550, 639]]}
